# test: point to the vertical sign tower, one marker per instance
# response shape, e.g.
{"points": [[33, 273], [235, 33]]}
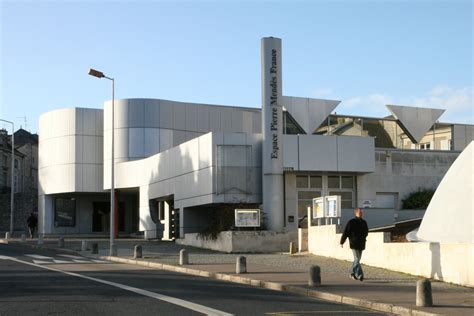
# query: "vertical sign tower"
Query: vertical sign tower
{"points": [[272, 127]]}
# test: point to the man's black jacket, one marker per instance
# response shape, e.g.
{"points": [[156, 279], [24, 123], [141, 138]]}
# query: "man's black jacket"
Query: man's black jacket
{"points": [[356, 230]]}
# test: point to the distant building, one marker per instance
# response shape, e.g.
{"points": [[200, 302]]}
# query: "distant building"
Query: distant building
{"points": [[25, 177]]}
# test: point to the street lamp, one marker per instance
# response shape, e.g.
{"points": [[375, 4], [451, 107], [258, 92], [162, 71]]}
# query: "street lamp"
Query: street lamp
{"points": [[113, 249], [12, 186]]}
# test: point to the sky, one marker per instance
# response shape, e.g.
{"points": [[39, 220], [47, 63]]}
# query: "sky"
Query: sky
{"points": [[364, 53]]}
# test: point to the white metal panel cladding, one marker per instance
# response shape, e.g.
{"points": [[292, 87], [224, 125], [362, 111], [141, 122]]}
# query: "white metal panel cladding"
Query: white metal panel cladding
{"points": [[234, 169]]}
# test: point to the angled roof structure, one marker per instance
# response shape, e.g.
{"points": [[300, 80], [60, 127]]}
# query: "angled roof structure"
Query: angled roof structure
{"points": [[415, 121], [309, 113]]}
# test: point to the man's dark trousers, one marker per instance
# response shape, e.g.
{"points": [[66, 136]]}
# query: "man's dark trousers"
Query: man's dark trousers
{"points": [[356, 267]]}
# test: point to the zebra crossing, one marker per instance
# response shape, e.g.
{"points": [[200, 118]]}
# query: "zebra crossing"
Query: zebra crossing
{"points": [[64, 259]]}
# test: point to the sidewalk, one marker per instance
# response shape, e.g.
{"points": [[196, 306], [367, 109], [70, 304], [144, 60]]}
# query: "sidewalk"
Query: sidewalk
{"points": [[380, 289]]}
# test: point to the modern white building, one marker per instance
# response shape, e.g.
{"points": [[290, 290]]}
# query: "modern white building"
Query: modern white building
{"points": [[178, 162]]}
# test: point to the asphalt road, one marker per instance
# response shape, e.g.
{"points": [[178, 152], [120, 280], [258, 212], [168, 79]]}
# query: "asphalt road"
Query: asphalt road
{"points": [[45, 282]]}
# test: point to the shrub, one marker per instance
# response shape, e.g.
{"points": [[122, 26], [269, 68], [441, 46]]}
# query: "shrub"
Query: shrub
{"points": [[418, 200]]}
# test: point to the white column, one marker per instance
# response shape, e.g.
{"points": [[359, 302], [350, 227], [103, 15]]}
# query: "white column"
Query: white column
{"points": [[272, 128]]}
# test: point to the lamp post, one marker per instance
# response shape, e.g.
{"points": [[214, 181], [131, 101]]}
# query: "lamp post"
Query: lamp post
{"points": [[113, 250], [12, 185]]}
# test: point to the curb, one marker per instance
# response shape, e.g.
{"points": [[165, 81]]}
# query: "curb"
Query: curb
{"points": [[336, 298], [381, 307]]}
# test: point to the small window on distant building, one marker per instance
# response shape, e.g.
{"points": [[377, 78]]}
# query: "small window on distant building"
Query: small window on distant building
{"points": [[425, 146], [16, 163]]}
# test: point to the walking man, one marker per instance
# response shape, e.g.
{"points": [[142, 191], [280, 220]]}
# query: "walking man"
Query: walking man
{"points": [[32, 222], [356, 230]]}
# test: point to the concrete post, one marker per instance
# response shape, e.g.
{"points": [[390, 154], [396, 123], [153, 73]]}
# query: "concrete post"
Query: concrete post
{"points": [[137, 252], [23, 237], [61, 242], [314, 276], [113, 250], [7, 235], [272, 134], [40, 239], [424, 297], [84, 245], [292, 248], [241, 265], [95, 248], [183, 257]]}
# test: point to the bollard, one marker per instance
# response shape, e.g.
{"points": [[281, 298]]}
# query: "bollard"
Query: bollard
{"points": [[40, 239], [113, 250], [137, 252], [7, 235], [424, 297], [84, 245], [292, 248], [241, 265], [314, 276], [183, 257], [95, 248], [23, 237], [61, 242]]}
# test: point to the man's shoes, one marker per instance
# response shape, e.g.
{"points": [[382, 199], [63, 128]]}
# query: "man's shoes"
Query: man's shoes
{"points": [[353, 276], [361, 278]]}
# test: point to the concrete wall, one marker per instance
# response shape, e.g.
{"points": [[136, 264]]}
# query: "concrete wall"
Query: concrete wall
{"points": [[449, 262], [145, 127], [403, 172], [243, 241], [328, 153]]}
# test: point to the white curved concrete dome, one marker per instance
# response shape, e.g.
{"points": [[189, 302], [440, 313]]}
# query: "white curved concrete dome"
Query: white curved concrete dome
{"points": [[449, 217]]}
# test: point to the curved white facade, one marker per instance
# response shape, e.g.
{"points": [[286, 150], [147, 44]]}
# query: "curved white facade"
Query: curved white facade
{"points": [[145, 127], [70, 151], [450, 214]]}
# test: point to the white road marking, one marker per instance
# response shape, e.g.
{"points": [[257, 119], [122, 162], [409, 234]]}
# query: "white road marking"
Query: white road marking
{"points": [[41, 262], [99, 261], [71, 256], [38, 256], [176, 301], [80, 261], [61, 261]]}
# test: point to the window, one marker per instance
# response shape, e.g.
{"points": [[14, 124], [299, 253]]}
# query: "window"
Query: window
{"points": [[309, 187], [301, 181], [425, 146], [16, 163], [5, 160], [316, 182], [346, 198], [347, 182], [334, 182], [65, 212]]}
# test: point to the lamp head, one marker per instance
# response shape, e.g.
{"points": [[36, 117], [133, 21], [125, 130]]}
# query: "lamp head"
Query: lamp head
{"points": [[96, 73]]}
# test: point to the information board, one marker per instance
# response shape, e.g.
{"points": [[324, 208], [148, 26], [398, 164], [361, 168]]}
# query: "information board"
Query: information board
{"points": [[318, 207], [327, 206], [333, 206], [247, 218]]}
